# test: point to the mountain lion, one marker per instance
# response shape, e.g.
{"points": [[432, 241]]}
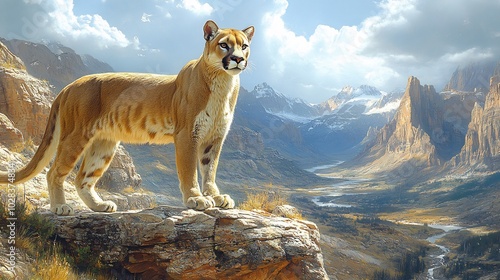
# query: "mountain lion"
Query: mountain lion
{"points": [[193, 110]]}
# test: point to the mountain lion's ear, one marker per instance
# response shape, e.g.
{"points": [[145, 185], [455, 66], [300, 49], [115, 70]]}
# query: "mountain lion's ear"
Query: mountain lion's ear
{"points": [[249, 32], [210, 30]]}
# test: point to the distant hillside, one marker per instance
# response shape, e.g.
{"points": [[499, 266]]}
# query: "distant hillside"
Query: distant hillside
{"points": [[55, 63]]}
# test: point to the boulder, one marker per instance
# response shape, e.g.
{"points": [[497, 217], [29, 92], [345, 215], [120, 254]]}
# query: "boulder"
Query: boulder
{"points": [[121, 173], [175, 243]]}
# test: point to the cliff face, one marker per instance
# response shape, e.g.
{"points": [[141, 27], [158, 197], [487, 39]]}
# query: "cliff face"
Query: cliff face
{"points": [[174, 243], [11, 136], [55, 63], [24, 100], [429, 129], [482, 142], [408, 134]]}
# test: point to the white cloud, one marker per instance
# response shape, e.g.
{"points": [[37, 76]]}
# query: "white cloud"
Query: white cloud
{"points": [[146, 17], [427, 39], [467, 55], [196, 7], [82, 27], [136, 43], [330, 56]]}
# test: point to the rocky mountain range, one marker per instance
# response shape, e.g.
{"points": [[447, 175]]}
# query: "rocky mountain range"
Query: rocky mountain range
{"points": [[438, 132], [314, 133]]}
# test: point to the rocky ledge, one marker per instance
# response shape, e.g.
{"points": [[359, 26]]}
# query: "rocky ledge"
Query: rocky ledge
{"points": [[175, 243]]}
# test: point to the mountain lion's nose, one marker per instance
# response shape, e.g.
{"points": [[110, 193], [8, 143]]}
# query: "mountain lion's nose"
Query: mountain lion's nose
{"points": [[237, 58]]}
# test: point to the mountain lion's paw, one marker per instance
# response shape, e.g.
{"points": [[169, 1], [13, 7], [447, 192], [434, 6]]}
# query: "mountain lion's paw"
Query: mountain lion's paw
{"points": [[62, 210], [105, 206], [200, 202], [224, 201]]}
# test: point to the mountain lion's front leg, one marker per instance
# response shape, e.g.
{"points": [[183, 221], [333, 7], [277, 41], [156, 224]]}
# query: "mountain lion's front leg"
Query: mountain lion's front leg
{"points": [[186, 158], [208, 156]]}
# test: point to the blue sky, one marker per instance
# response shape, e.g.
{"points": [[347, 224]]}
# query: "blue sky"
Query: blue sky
{"points": [[305, 49]]}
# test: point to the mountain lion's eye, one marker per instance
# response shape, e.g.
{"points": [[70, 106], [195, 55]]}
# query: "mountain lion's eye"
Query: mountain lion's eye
{"points": [[224, 46], [244, 47]]}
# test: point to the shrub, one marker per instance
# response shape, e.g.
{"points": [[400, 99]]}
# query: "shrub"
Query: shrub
{"points": [[267, 201]]}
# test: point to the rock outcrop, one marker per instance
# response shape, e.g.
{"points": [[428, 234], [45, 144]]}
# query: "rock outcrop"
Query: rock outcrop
{"points": [[408, 134], [55, 63], [175, 243], [482, 142], [9, 60], [121, 173], [417, 115], [24, 99]]}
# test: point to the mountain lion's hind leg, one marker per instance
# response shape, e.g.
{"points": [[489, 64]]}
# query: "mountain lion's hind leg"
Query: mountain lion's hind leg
{"points": [[208, 157], [68, 152], [95, 162]]}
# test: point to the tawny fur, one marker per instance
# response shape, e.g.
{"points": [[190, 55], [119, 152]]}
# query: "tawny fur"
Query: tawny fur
{"points": [[193, 110]]}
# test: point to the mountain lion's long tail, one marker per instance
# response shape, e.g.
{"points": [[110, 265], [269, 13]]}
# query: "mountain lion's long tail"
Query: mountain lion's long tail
{"points": [[45, 151]]}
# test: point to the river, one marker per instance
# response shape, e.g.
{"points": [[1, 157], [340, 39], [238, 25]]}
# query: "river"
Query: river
{"points": [[327, 195], [437, 259]]}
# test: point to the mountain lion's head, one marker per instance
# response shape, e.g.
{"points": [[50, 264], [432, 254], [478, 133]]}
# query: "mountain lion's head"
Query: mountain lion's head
{"points": [[227, 49]]}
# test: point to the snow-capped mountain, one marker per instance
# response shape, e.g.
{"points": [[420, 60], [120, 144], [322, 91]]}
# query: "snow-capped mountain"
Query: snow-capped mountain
{"points": [[362, 100], [348, 116], [339, 123], [388, 104], [278, 104]]}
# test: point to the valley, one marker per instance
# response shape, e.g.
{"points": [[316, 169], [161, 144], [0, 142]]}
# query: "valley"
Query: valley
{"points": [[370, 217]]}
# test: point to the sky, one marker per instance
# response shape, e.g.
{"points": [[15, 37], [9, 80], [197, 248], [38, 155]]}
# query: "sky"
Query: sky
{"points": [[304, 49]]}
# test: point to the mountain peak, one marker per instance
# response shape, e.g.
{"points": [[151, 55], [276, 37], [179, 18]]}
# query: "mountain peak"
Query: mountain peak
{"points": [[265, 90], [370, 90], [410, 132], [472, 77], [278, 104], [347, 90]]}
